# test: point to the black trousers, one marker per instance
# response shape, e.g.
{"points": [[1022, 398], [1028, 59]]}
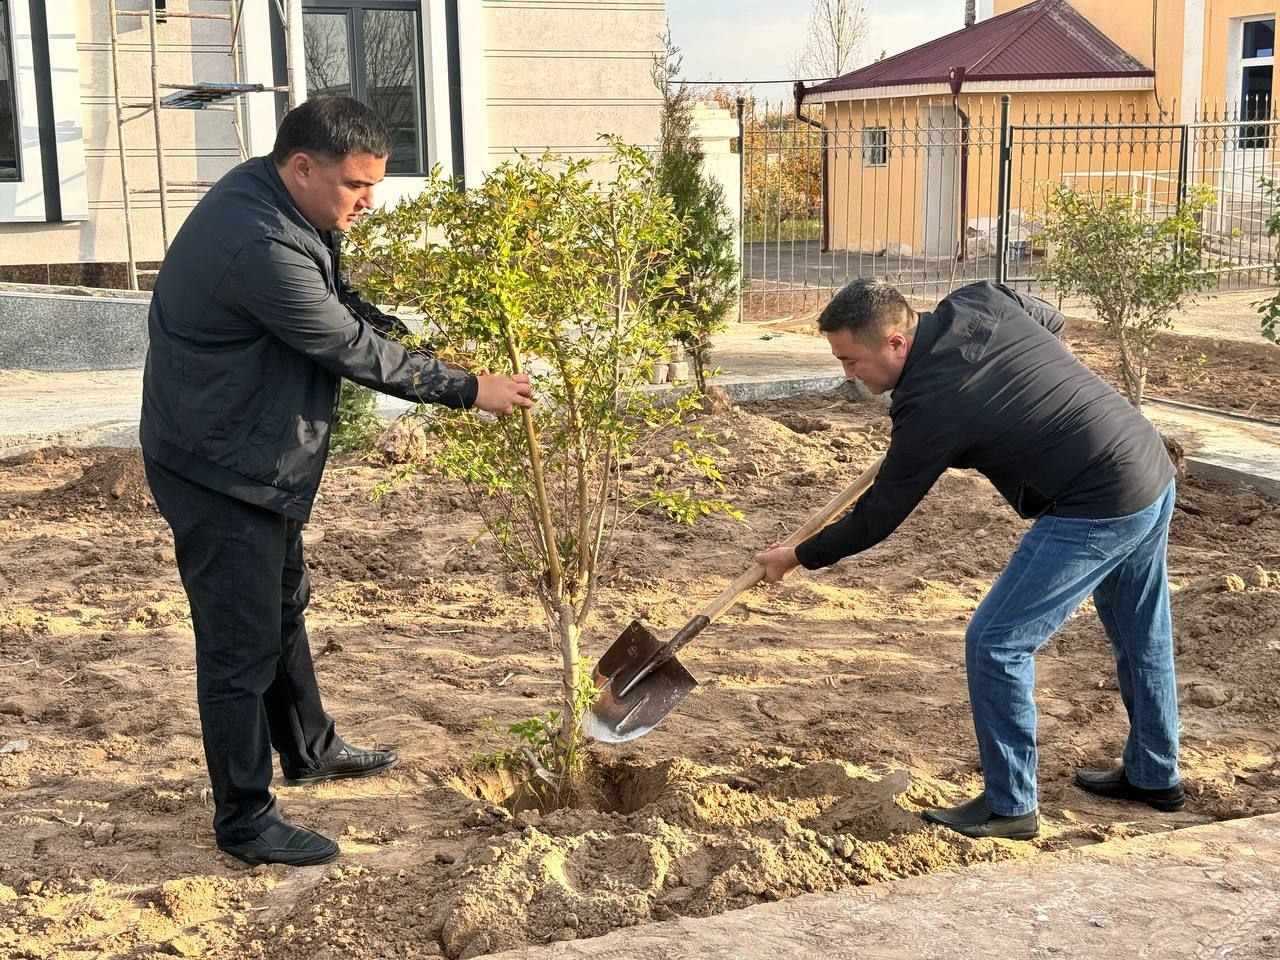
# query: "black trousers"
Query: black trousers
{"points": [[244, 574]]}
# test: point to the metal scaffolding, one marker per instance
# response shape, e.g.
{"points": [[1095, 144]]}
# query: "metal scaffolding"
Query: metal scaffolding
{"points": [[198, 95]]}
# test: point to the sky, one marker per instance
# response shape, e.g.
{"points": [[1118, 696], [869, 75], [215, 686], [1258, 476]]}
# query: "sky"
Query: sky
{"points": [[756, 39]]}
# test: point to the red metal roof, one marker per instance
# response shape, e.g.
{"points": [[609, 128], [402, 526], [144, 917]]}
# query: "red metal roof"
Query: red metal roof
{"points": [[1045, 40]]}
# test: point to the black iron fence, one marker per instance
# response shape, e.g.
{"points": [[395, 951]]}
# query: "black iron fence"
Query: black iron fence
{"points": [[933, 194]]}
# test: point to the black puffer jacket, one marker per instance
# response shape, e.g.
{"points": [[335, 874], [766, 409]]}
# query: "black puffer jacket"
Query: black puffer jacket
{"points": [[251, 328]]}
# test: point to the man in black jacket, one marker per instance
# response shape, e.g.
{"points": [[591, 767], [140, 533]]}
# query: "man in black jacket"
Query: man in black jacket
{"points": [[251, 329], [983, 383]]}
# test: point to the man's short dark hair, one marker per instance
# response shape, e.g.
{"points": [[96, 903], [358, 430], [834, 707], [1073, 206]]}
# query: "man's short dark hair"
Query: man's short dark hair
{"points": [[868, 308], [329, 128]]}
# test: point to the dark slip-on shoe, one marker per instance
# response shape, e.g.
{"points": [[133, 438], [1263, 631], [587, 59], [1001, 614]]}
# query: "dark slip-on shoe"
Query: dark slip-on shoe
{"points": [[284, 842], [1114, 785], [350, 762], [975, 819]]}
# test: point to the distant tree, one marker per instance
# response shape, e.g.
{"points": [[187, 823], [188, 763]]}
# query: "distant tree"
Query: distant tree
{"points": [[782, 189], [707, 287], [1135, 270], [1270, 308], [727, 95], [834, 38]]}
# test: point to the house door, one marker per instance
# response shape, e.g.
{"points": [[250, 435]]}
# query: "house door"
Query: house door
{"points": [[940, 183]]}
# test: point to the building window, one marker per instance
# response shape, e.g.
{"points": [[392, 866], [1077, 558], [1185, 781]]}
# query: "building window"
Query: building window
{"points": [[875, 147], [372, 50], [9, 166], [1257, 65]]}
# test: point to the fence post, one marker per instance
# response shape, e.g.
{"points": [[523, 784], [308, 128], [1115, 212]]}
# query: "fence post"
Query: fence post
{"points": [[742, 206], [1006, 173], [1183, 158], [1181, 196]]}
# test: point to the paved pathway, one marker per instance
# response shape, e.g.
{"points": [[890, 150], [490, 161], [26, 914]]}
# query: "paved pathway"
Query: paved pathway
{"points": [[1205, 892], [94, 407]]}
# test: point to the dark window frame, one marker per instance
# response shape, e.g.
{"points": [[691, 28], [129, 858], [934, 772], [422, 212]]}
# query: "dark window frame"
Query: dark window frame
{"points": [[1260, 51], [7, 54], [875, 150], [354, 10], [1257, 106]]}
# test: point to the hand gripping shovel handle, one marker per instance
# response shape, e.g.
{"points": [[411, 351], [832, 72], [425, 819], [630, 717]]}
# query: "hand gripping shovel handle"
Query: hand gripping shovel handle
{"points": [[700, 621], [837, 505]]}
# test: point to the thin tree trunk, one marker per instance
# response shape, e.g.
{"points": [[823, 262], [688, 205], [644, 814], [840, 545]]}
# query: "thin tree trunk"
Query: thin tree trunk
{"points": [[700, 355], [570, 634], [545, 523], [1142, 377], [1129, 374]]}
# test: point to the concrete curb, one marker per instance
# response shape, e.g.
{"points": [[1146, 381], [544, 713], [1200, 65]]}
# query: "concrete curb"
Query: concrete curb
{"points": [[1209, 891], [108, 433]]}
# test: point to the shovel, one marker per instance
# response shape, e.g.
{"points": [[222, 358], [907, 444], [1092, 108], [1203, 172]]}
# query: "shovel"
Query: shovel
{"points": [[639, 678]]}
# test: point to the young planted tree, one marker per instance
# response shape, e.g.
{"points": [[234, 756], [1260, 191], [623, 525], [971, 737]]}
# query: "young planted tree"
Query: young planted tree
{"points": [[1135, 270], [706, 289], [543, 269], [1270, 308]]}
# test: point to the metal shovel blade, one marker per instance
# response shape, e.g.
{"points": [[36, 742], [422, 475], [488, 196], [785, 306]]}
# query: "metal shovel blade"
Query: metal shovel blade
{"points": [[614, 719]]}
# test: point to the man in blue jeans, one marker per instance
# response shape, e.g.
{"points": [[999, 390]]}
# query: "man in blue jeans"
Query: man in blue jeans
{"points": [[984, 383]]}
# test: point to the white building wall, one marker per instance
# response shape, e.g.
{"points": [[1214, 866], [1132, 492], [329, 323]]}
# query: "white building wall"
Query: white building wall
{"points": [[536, 74], [561, 72], [24, 200], [198, 145]]}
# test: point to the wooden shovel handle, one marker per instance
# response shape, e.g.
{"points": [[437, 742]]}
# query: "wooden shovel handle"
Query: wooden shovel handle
{"points": [[834, 508], [700, 621]]}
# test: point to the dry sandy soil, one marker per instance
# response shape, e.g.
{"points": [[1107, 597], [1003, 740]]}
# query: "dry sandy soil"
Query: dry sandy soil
{"points": [[1239, 376], [832, 708]]}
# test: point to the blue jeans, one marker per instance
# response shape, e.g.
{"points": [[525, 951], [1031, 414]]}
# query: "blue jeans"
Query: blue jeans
{"points": [[1060, 561]]}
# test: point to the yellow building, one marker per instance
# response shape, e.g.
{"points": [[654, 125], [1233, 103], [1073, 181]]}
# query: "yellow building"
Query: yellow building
{"points": [[1202, 51], [1144, 97]]}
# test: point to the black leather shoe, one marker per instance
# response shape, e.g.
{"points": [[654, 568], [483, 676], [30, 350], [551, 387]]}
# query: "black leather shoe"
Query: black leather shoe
{"points": [[350, 762], [975, 819], [1114, 785], [284, 842]]}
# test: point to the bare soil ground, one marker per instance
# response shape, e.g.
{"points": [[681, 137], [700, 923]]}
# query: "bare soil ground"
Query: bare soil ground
{"points": [[832, 709], [1226, 374]]}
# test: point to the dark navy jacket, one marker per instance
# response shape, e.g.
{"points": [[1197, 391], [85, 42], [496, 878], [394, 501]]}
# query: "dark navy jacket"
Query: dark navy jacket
{"points": [[251, 330], [988, 386]]}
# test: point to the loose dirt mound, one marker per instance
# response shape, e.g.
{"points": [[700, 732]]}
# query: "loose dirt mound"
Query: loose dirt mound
{"points": [[187, 917], [1229, 627], [673, 837], [1226, 618], [54, 453], [113, 480]]}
